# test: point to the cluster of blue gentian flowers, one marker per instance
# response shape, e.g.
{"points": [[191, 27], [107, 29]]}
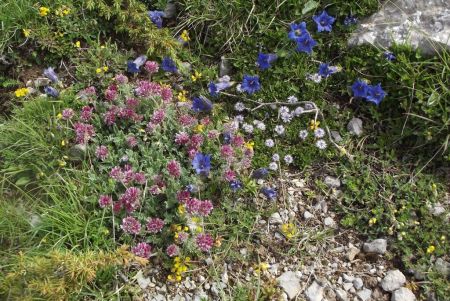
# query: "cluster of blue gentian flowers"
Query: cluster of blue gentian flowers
{"points": [[372, 93], [53, 77]]}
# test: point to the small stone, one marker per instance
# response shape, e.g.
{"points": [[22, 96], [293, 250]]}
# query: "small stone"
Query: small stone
{"points": [[442, 267], [308, 215], [403, 294], [347, 286], [298, 183], [341, 294], [348, 278], [224, 67], [364, 294], [275, 218], [355, 127], [225, 277], [332, 182], [358, 283], [142, 281], [336, 136], [378, 246], [352, 252], [290, 283], [314, 292], [328, 222], [209, 261], [40, 82], [437, 209], [352, 289], [243, 251], [77, 152], [393, 280]]}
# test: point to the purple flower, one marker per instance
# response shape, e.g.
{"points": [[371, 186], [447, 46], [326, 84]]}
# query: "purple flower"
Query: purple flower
{"points": [[156, 17], [86, 113], [168, 65], [204, 242], [67, 114], [324, 22], [50, 91], [202, 164], [130, 198], [155, 225], [389, 56], [360, 89], [305, 43], [325, 70], [134, 66], [350, 20], [51, 74], [101, 152], [270, 193], [297, 30], [260, 173], [375, 94], [222, 84], [121, 79], [172, 250], [130, 225], [250, 84], [142, 249], [201, 104], [104, 201], [235, 185], [264, 60], [84, 132]]}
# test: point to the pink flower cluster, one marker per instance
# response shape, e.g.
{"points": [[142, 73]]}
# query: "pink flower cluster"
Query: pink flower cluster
{"points": [[126, 175], [130, 225], [121, 79], [155, 225], [151, 67], [86, 113], [105, 201], [198, 207], [146, 89], [84, 132], [101, 152], [174, 168], [204, 242], [130, 199], [172, 250], [142, 249], [67, 114]]}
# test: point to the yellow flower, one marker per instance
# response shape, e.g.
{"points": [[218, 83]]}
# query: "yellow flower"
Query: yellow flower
{"points": [[314, 125], [181, 211], [66, 11], [249, 145], [182, 96], [443, 238], [26, 32], [199, 229], [59, 116], [77, 44], [105, 68], [43, 11], [431, 249], [195, 76], [372, 221], [62, 163], [98, 70], [185, 36], [63, 143], [199, 128], [21, 92], [289, 230], [102, 47]]}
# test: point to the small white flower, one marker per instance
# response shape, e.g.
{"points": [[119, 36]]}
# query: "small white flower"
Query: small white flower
{"points": [[248, 128], [292, 99], [309, 106], [270, 143], [279, 129], [239, 106], [256, 121], [283, 110], [321, 144], [273, 166], [239, 119], [319, 133], [239, 88], [260, 181], [298, 111], [261, 126], [314, 77], [286, 117], [275, 157], [303, 134], [288, 159]]}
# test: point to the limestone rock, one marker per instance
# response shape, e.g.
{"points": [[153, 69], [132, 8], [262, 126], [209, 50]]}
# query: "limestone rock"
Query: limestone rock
{"points": [[290, 283], [378, 246], [314, 292], [355, 126], [364, 294], [393, 280], [403, 294]]}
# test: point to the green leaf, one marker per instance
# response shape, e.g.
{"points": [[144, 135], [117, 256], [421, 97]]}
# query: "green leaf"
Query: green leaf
{"points": [[434, 97], [309, 6], [23, 181]]}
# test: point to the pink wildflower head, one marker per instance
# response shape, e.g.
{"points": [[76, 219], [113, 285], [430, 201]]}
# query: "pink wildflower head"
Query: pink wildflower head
{"points": [[151, 67], [174, 168], [205, 208], [246, 163], [213, 134], [183, 196], [130, 225], [192, 205], [142, 249], [150, 127], [187, 120], [155, 225], [84, 132], [172, 250], [166, 94], [110, 117], [130, 199], [116, 173], [182, 237], [121, 79], [126, 113], [67, 114], [158, 116], [192, 152], [132, 103], [181, 138], [226, 151], [101, 152], [147, 89], [105, 201], [132, 141], [237, 141], [229, 175], [196, 141], [90, 91], [204, 242], [111, 93], [117, 207], [205, 121], [139, 177]]}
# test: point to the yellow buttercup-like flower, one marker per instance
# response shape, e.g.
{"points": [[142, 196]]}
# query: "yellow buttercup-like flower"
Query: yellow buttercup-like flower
{"points": [[314, 125], [43, 11], [26, 32], [105, 68], [182, 96], [431, 249], [185, 36], [21, 92], [289, 230], [77, 44], [98, 70], [195, 76], [199, 128], [66, 11], [372, 221], [249, 145]]}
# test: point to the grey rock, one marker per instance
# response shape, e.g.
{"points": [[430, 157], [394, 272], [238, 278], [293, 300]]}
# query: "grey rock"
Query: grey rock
{"points": [[224, 67], [352, 252], [171, 10], [358, 283], [443, 267], [347, 286], [40, 82], [355, 127], [290, 283], [403, 294], [336, 136], [275, 218], [437, 209], [308, 215], [393, 280], [364, 294], [142, 281], [423, 24], [77, 152], [378, 246], [314, 292], [341, 295], [329, 222], [348, 278], [158, 297], [332, 182]]}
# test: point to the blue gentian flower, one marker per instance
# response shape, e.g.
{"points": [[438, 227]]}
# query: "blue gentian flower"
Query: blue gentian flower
{"points": [[260, 173], [389, 56], [297, 30], [156, 17], [264, 60], [202, 164], [360, 89], [305, 43], [326, 70], [235, 185], [213, 89], [201, 104], [226, 138], [192, 188], [168, 65], [134, 66], [250, 84], [375, 94], [324, 22], [222, 84], [350, 20], [51, 74], [270, 193], [50, 91]]}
